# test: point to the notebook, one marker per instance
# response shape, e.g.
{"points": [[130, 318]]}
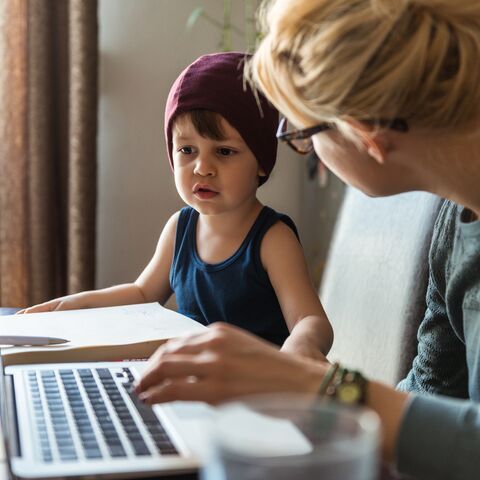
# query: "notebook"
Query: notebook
{"points": [[97, 334]]}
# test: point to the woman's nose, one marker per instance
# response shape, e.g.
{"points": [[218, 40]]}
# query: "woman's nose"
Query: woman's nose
{"points": [[204, 167]]}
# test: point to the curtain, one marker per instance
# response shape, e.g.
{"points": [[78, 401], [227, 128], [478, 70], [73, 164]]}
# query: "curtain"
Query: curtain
{"points": [[48, 124]]}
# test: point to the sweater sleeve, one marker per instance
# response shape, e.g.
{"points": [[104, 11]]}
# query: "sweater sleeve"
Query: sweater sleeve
{"points": [[440, 364], [440, 438]]}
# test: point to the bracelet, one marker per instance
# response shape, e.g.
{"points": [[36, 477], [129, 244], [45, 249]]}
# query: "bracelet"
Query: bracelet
{"points": [[327, 379], [348, 387]]}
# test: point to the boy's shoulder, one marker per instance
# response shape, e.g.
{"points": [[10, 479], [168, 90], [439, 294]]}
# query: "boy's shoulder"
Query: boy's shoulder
{"points": [[183, 215], [174, 217], [171, 224], [281, 223], [280, 240], [279, 229]]}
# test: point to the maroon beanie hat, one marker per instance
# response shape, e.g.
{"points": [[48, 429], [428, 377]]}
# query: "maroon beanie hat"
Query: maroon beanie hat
{"points": [[215, 82]]}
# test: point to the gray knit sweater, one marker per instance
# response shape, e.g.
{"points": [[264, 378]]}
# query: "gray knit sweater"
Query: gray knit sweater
{"points": [[440, 435]]}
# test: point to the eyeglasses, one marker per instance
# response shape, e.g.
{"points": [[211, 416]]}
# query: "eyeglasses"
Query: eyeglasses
{"points": [[301, 140]]}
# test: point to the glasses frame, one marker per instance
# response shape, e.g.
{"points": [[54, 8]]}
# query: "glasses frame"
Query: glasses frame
{"points": [[397, 124]]}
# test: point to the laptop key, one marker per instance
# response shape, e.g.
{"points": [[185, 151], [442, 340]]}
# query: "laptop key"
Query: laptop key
{"points": [[140, 448], [93, 424], [155, 428], [68, 456], [117, 450], [92, 453]]}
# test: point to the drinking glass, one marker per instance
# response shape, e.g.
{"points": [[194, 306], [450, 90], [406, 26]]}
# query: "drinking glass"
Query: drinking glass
{"points": [[292, 437]]}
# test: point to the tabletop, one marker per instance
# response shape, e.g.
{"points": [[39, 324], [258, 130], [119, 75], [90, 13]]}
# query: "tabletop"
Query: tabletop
{"points": [[386, 473]]}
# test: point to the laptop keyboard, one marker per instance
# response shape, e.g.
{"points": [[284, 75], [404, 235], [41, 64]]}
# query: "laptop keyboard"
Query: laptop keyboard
{"points": [[83, 414]]}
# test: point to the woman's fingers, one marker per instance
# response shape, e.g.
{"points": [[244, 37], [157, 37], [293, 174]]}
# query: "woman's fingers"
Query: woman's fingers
{"points": [[178, 366], [218, 338], [190, 344], [217, 345], [192, 390]]}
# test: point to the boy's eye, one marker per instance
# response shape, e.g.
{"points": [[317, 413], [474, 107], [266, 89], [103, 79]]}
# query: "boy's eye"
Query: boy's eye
{"points": [[226, 152], [186, 150]]}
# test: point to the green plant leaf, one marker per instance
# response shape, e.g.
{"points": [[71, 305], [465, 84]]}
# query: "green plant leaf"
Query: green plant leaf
{"points": [[194, 16]]}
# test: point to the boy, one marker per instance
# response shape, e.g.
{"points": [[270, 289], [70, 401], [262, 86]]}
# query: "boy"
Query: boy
{"points": [[225, 256]]}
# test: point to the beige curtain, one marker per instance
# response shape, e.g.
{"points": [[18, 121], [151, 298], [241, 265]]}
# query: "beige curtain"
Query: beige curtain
{"points": [[48, 123]]}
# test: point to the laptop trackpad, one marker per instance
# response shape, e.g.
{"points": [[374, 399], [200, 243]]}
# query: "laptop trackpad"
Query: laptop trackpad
{"points": [[192, 421], [254, 433]]}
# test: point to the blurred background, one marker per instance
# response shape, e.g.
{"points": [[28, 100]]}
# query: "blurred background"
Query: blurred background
{"points": [[85, 185]]}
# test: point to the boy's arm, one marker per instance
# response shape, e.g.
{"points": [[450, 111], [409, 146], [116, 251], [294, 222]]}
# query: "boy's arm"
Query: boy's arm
{"points": [[282, 257], [152, 285], [312, 336], [154, 281], [124, 294]]}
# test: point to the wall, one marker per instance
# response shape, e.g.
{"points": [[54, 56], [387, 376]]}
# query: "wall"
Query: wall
{"points": [[144, 45]]}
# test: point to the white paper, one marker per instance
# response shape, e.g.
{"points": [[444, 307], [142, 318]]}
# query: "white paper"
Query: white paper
{"points": [[119, 325]]}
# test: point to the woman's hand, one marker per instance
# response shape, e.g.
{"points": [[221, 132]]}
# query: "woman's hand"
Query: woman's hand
{"points": [[222, 363], [70, 302]]}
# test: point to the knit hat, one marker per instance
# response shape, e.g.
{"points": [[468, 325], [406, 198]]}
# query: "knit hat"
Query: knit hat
{"points": [[215, 82]]}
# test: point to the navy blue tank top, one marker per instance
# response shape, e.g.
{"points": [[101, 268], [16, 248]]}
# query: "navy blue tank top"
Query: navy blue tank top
{"points": [[237, 290]]}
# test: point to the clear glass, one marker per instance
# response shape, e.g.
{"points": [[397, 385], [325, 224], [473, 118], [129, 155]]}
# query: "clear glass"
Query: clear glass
{"points": [[280, 437]]}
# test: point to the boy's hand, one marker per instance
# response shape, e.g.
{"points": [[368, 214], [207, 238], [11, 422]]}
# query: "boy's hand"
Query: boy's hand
{"points": [[70, 302]]}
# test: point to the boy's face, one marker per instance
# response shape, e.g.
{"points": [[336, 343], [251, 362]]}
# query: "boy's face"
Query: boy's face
{"points": [[213, 176]]}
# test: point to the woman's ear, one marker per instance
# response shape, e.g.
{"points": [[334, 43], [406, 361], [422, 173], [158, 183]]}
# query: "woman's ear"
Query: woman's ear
{"points": [[376, 142], [261, 172]]}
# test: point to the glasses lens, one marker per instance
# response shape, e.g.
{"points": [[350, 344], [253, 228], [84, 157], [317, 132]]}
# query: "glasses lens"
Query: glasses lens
{"points": [[284, 126], [300, 145]]}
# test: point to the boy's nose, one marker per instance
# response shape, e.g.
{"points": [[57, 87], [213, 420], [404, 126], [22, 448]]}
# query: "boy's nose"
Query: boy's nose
{"points": [[204, 167]]}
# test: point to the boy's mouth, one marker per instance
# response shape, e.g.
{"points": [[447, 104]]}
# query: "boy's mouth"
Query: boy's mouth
{"points": [[204, 192]]}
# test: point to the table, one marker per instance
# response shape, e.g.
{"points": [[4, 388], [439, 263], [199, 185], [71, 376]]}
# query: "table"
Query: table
{"points": [[386, 474]]}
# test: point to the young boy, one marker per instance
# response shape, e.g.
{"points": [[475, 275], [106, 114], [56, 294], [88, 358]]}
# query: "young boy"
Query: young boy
{"points": [[225, 256]]}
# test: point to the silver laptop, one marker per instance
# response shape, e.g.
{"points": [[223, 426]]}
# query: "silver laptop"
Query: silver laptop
{"points": [[82, 419]]}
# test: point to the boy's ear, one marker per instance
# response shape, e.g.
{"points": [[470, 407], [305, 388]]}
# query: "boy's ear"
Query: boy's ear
{"points": [[375, 142]]}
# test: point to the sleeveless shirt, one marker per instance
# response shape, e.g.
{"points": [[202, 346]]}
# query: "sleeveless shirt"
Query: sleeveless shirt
{"points": [[236, 290]]}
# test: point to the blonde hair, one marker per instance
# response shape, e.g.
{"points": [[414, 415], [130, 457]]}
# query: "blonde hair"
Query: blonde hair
{"points": [[330, 60]]}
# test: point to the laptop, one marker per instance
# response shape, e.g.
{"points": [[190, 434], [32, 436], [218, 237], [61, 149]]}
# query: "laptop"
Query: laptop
{"points": [[83, 420]]}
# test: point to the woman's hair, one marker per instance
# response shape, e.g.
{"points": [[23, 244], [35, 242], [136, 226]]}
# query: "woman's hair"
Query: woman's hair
{"points": [[328, 60]]}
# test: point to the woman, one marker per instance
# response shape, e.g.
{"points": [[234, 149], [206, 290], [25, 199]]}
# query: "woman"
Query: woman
{"points": [[389, 93]]}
